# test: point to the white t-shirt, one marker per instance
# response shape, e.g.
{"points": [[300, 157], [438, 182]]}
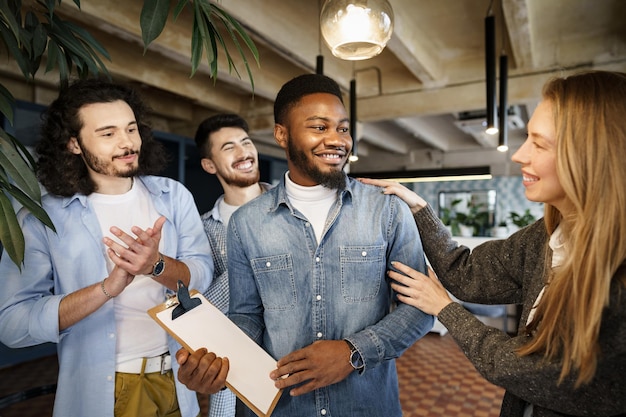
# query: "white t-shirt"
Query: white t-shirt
{"points": [[226, 210], [314, 202], [137, 334]]}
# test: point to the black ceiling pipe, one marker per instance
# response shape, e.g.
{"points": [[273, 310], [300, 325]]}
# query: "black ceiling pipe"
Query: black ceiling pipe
{"points": [[319, 65], [503, 138], [490, 69], [353, 116]]}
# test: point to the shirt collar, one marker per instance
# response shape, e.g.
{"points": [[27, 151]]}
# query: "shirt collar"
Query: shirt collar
{"points": [[557, 245], [281, 198], [154, 187]]}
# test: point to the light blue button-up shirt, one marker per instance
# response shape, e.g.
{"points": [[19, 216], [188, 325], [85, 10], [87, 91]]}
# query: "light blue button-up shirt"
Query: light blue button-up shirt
{"points": [[56, 264], [287, 291]]}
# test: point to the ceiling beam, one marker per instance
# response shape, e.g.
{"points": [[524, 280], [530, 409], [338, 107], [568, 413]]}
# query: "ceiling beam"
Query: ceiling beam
{"points": [[458, 98], [519, 34], [424, 131], [407, 44], [381, 138]]}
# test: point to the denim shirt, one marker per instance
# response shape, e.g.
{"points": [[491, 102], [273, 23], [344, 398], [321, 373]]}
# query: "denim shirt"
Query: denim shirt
{"points": [[288, 291], [56, 264]]}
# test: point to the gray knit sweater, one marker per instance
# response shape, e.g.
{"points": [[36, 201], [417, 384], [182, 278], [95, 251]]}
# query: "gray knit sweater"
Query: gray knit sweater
{"points": [[510, 271]]}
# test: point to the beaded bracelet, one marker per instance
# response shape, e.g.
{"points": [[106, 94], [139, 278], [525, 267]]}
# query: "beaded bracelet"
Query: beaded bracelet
{"points": [[109, 296]]}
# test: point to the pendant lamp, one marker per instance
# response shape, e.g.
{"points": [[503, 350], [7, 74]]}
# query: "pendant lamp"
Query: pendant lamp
{"points": [[503, 138], [356, 29], [490, 72], [354, 156]]}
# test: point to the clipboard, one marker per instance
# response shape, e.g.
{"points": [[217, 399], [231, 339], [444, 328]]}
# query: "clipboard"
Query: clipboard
{"points": [[197, 323]]}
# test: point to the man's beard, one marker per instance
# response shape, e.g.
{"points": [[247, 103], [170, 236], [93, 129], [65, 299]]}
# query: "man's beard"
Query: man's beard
{"points": [[241, 182], [101, 167], [335, 179]]}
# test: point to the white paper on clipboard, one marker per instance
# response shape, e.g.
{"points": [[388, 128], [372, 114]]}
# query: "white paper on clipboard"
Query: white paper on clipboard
{"points": [[206, 327]]}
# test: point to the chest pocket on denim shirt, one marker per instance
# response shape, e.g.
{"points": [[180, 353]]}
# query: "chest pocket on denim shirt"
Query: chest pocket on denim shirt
{"points": [[276, 282], [362, 272]]}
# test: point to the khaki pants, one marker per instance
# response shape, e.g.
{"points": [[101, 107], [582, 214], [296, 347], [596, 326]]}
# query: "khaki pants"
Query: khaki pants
{"points": [[146, 395]]}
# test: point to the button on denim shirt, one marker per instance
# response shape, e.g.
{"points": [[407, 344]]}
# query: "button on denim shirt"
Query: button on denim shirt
{"points": [[56, 264], [288, 291]]}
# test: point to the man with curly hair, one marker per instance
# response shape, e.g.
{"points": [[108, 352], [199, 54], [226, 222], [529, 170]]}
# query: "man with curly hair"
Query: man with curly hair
{"points": [[123, 240]]}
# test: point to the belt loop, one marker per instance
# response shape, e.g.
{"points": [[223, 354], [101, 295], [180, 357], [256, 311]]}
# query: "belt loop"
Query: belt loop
{"points": [[143, 365], [163, 356]]}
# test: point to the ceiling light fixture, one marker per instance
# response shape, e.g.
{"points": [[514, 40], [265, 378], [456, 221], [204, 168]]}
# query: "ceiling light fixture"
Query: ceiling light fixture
{"points": [[356, 29], [431, 175]]}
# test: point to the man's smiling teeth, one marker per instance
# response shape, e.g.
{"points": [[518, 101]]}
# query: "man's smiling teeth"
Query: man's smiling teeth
{"points": [[331, 156], [244, 165]]}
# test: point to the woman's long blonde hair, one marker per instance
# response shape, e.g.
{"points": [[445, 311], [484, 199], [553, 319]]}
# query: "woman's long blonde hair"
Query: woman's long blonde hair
{"points": [[590, 117]]}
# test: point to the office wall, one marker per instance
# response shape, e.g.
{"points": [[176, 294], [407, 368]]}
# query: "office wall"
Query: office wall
{"points": [[509, 194]]}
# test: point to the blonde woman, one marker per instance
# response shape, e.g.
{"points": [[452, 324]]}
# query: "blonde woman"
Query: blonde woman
{"points": [[567, 270]]}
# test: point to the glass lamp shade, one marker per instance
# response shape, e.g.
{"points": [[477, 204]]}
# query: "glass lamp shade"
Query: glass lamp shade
{"points": [[356, 29]]}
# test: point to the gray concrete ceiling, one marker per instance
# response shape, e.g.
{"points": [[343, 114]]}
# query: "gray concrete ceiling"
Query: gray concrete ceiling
{"points": [[411, 99]]}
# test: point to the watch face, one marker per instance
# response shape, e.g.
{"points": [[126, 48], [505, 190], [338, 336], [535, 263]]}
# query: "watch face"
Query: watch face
{"points": [[158, 268], [355, 360]]}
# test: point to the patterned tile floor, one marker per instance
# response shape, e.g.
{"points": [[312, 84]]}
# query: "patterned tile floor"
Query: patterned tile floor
{"points": [[435, 380]]}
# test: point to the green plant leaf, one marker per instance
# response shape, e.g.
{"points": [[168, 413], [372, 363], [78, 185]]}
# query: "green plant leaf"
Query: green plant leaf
{"points": [[25, 153], [206, 37], [9, 19], [53, 55], [60, 62], [11, 234], [17, 168], [89, 42], [13, 47], [234, 28], [152, 20], [50, 5], [33, 206], [229, 59], [229, 21], [179, 7], [77, 47], [40, 41], [6, 103], [196, 49], [199, 35]]}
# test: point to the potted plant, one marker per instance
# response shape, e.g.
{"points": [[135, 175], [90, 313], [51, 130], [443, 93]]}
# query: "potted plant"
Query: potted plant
{"points": [[501, 230], [474, 221], [522, 220], [449, 217]]}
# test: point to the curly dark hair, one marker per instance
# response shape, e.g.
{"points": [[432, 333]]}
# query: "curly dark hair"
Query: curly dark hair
{"points": [[213, 124], [64, 173]]}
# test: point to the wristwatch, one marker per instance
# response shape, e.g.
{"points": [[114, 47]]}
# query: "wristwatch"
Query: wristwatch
{"points": [[159, 267], [356, 361]]}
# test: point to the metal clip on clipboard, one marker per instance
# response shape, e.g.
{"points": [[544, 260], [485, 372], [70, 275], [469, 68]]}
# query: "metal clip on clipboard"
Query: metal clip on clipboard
{"points": [[186, 303]]}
